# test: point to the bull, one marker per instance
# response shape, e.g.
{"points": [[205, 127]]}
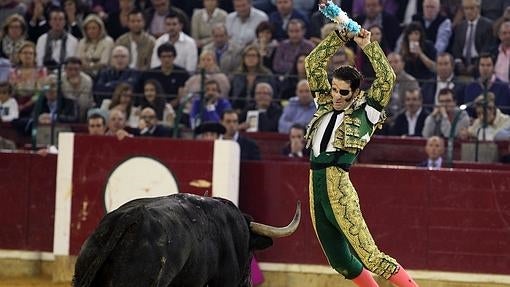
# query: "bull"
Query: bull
{"points": [[176, 240]]}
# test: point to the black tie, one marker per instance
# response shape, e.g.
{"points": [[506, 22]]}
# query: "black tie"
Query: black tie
{"points": [[329, 130], [470, 42]]}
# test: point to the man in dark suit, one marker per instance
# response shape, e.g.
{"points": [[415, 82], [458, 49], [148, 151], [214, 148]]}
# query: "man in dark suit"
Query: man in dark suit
{"points": [[435, 150], [118, 72], [296, 146], [249, 149], [149, 126], [445, 78], [410, 122], [280, 18], [438, 28], [269, 112], [375, 15], [50, 107], [473, 36], [158, 11]]}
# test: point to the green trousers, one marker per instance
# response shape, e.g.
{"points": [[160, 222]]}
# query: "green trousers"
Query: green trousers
{"points": [[340, 227]]}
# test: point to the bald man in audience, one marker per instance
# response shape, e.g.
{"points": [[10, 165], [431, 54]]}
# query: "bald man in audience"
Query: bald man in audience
{"points": [[300, 109], [438, 28], [117, 125], [118, 72], [435, 150], [149, 126]]}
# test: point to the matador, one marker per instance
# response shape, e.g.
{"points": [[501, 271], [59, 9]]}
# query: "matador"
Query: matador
{"points": [[345, 120]]}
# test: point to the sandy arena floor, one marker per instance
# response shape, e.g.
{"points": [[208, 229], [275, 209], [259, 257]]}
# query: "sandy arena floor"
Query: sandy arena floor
{"points": [[30, 282]]}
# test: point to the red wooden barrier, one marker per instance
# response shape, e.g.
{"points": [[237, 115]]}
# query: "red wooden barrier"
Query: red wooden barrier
{"points": [[27, 201], [447, 220]]}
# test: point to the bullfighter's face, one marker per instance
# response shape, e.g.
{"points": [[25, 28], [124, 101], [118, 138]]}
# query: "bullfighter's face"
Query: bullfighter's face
{"points": [[342, 94]]}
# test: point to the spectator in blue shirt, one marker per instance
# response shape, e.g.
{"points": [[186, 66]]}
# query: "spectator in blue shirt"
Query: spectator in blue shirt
{"points": [[213, 106], [300, 109]]}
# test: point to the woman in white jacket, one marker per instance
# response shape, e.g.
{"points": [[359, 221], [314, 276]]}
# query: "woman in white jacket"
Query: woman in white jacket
{"points": [[96, 46]]}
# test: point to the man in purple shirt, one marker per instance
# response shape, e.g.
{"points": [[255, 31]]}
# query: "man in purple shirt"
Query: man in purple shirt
{"points": [[289, 49]]}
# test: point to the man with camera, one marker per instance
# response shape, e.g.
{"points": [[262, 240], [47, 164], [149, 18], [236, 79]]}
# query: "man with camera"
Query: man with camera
{"points": [[212, 106], [439, 122]]}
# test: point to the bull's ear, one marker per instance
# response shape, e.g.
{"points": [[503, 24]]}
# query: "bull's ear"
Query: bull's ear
{"points": [[259, 242]]}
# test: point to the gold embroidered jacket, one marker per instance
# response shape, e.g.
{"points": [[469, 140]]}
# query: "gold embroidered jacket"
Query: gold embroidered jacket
{"points": [[355, 131]]}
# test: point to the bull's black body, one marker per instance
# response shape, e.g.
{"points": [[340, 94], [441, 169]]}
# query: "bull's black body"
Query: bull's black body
{"points": [[177, 240]]}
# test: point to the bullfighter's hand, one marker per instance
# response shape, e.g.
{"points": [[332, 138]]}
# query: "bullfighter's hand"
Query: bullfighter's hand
{"points": [[363, 38]]}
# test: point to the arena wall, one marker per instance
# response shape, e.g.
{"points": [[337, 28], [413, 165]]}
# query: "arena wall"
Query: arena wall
{"points": [[451, 220]]}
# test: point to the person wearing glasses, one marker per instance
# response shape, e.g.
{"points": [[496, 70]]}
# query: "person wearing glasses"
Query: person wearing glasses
{"points": [[345, 120], [149, 126]]}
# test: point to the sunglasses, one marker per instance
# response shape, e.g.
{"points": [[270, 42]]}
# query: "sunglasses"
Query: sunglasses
{"points": [[344, 92]]}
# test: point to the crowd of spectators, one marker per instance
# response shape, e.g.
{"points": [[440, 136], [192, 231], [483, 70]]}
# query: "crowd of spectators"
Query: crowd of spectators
{"points": [[150, 67]]}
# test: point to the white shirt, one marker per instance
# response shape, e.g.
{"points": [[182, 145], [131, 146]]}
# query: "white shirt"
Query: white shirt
{"points": [[235, 137], [411, 121], [71, 48], [435, 164], [187, 53], [134, 54], [243, 32], [411, 9], [9, 110], [316, 142], [372, 114]]}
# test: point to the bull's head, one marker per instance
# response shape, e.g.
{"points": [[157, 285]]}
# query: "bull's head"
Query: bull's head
{"points": [[268, 232]]}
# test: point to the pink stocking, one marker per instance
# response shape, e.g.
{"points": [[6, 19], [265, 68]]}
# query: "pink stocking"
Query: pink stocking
{"points": [[402, 279], [365, 279]]}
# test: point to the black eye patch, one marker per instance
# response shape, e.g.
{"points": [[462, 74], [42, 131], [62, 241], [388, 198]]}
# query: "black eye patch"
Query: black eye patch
{"points": [[344, 92]]}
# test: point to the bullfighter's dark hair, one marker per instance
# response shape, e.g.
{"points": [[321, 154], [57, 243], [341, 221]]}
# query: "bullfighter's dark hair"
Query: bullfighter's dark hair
{"points": [[349, 74]]}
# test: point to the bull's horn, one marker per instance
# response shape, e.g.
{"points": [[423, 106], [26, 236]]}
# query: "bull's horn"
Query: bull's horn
{"points": [[276, 232]]}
